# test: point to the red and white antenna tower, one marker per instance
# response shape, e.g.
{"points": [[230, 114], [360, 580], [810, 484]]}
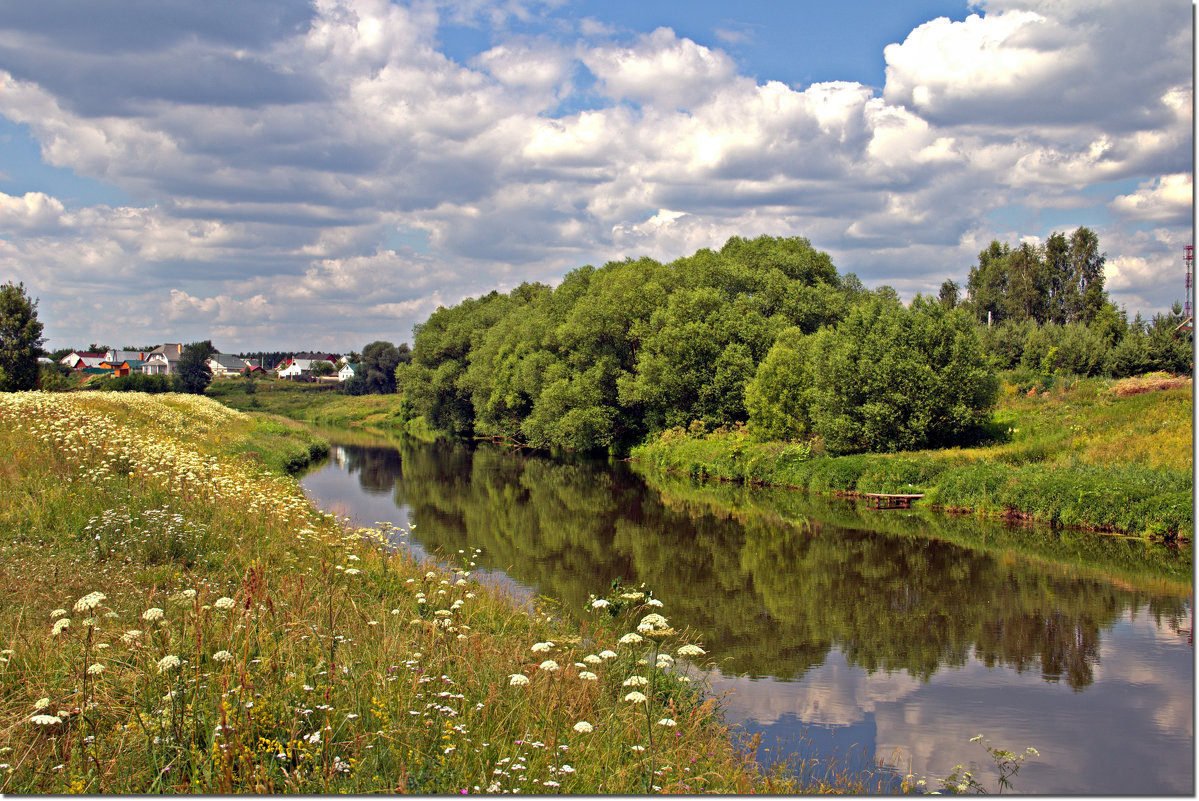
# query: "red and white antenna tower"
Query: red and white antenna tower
{"points": [[1188, 256]]}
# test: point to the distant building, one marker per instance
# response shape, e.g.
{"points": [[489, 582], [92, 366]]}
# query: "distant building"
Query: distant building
{"points": [[79, 360], [163, 359]]}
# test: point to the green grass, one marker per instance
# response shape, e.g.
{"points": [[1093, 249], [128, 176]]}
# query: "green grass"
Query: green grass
{"points": [[225, 636], [1083, 455], [319, 404]]}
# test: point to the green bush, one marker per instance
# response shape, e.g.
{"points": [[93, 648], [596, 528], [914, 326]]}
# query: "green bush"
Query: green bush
{"points": [[886, 378]]}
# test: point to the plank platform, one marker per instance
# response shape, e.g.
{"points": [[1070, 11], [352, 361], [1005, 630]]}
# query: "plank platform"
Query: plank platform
{"points": [[882, 500]]}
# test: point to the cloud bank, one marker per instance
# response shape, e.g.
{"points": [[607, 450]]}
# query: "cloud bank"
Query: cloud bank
{"points": [[321, 175]]}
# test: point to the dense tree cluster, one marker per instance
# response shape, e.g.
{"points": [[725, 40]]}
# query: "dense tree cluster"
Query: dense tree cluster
{"points": [[635, 347], [887, 377], [1060, 282], [766, 332], [1044, 309]]}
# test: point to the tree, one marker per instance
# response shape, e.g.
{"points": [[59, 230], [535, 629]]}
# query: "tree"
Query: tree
{"points": [[890, 378], [20, 339], [379, 362], [949, 294], [193, 373], [322, 367]]}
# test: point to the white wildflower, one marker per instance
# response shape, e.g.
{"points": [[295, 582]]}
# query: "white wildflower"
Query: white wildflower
{"points": [[167, 662], [95, 669], [691, 650], [549, 665], [90, 601], [45, 720], [60, 625], [635, 681], [630, 639], [635, 698], [224, 603], [583, 727], [223, 656], [607, 654], [57, 613], [599, 603], [667, 722], [153, 613], [41, 704], [518, 679], [540, 647], [587, 675]]}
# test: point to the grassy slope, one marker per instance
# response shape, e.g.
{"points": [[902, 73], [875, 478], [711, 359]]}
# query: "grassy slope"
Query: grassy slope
{"points": [[319, 404], [1086, 455], [334, 665]]}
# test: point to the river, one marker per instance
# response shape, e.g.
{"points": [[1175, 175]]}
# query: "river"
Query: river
{"points": [[843, 635]]}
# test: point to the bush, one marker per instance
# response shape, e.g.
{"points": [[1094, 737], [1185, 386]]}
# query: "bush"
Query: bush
{"points": [[139, 382], [887, 378]]}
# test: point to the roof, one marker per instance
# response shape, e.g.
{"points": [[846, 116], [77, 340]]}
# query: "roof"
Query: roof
{"points": [[228, 361]]}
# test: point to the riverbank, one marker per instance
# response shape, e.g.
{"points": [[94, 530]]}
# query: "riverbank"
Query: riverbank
{"points": [[1092, 454], [179, 618]]}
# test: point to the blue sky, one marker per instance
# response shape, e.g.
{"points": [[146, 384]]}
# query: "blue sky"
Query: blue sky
{"points": [[294, 174]]}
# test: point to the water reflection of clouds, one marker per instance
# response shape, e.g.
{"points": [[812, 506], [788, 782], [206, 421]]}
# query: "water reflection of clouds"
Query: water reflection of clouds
{"points": [[929, 725], [834, 694]]}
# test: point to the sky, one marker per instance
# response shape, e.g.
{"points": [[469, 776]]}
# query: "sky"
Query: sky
{"points": [[320, 174]]}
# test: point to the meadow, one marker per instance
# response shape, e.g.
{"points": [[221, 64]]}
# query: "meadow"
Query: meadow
{"points": [[1089, 453], [176, 616]]}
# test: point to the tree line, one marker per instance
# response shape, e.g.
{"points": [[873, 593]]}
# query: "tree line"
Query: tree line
{"points": [[1044, 309], [621, 352], [765, 332]]}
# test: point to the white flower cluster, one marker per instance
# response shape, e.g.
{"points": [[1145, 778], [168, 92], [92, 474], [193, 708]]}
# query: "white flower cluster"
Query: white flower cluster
{"points": [[90, 601]]}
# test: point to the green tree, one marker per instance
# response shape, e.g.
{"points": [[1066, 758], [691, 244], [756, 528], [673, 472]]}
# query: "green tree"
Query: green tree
{"points": [[379, 362], [20, 339], [776, 398], [949, 294], [890, 378], [192, 373], [322, 367]]}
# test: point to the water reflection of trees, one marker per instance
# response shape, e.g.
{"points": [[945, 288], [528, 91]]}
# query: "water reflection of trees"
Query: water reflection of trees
{"points": [[378, 468], [768, 595]]}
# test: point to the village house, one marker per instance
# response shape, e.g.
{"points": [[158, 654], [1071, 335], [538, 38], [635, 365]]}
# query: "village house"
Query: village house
{"points": [[79, 360], [163, 359], [300, 365], [224, 365], [348, 371], [122, 367], [114, 356]]}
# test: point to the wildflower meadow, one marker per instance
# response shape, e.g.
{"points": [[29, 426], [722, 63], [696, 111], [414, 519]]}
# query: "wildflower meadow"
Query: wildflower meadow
{"points": [[177, 617]]}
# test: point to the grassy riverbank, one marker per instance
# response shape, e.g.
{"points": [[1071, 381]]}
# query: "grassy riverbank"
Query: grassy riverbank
{"points": [[176, 617], [1092, 453]]}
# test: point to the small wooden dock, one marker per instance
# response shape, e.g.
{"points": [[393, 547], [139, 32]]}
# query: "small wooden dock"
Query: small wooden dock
{"points": [[881, 500]]}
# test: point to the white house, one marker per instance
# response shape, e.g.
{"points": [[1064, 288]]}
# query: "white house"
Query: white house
{"points": [[162, 360], [114, 356], [296, 368], [348, 371], [224, 365]]}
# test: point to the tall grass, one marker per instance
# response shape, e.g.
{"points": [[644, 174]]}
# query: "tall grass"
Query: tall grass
{"points": [[176, 617]]}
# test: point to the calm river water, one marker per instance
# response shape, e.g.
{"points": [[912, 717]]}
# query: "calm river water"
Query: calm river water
{"points": [[841, 632]]}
